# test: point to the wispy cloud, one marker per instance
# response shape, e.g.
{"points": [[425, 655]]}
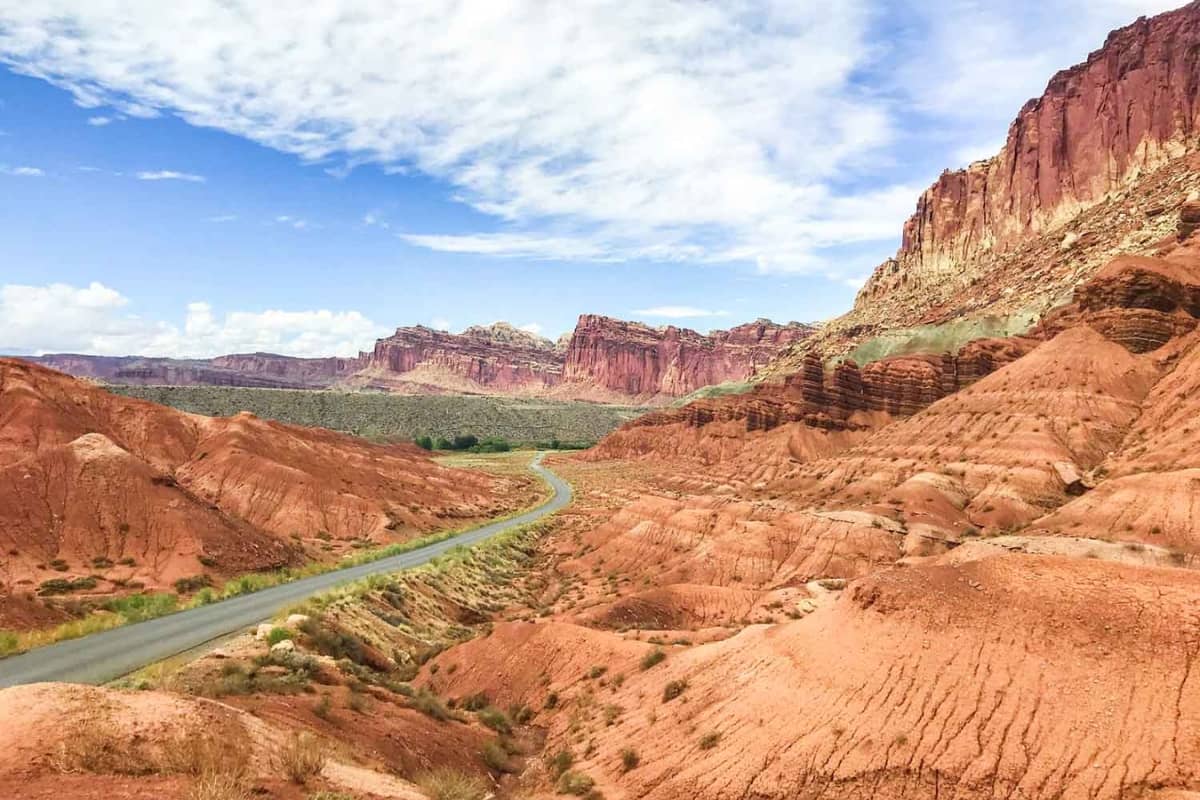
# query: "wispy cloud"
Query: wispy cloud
{"points": [[170, 175], [99, 122], [223, 218], [678, 312], [531, 327], [609, 130], [292, 222], [22, 172]]}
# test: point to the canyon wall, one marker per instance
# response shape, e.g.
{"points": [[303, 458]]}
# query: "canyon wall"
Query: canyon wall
{"points": [[607, 356], [1094, 138], [604, 360], [493, 359]]}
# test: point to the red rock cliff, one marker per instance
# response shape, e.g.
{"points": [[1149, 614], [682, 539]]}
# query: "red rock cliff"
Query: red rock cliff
{"points": [[1130, 108], [493, 359], [608, 356]]}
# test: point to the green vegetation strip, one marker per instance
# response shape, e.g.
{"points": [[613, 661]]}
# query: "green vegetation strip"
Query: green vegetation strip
{"points": [[376, 415]]}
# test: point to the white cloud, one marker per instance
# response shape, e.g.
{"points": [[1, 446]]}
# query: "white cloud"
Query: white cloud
{"points": [[595, 130], [95, 319], [99, 122], [22, 172], [223, 218], [293, 222], [678, 312], [170, 175], [440, 324], [532, 327], [758, 131]]}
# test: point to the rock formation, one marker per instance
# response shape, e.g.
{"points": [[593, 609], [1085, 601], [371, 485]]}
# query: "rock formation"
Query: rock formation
{"points": [[493, 359], [611, 357], [1130, 108], [605, 360]]}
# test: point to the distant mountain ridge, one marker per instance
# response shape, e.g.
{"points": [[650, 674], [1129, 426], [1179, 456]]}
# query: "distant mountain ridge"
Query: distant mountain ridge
{"points": [[603, 360]]}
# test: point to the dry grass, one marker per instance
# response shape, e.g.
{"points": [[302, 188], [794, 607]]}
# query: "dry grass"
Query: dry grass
{"points": [[207, 756], [217, 786], [448, 784], [302, 757]]}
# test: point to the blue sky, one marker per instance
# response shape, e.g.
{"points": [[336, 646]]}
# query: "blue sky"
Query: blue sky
{"points": [[304, 181]]}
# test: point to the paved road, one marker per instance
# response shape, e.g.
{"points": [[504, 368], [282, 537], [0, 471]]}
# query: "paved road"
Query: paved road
{"points": [[108, 655]]}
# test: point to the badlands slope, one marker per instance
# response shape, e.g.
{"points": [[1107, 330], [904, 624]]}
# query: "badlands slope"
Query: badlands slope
{"points": [[131, 494]]}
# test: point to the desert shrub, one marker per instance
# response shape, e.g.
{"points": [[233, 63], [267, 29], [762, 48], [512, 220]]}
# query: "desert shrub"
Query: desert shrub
{"points": [[495, 719], [629, 759], [206, 756], [551, 700], [428, 704], [278, 635], [520, 714], [358, 703], [191, 583], [449, 784], [597, 671], [302, 757], [334, 643], [100, 748], [218, 786], [709, 740], [66, 585], [560, 762], [322, 707], [655, 656], [673, 690], [576, 783], [496, 757], [59, 565], [475, 702]]}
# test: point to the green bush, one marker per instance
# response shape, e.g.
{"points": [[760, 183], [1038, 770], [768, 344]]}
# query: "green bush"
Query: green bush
{"points": [[629, 759], [192, 583], [448, 784], [496, 757], [655, 656], [495, 719], [576, 783], [139, 607], [278, 635], [430, 705]]}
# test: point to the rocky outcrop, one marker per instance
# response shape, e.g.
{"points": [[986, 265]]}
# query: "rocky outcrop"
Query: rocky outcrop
{"points": [[1132, 106], [493, 359], [262, 370], [610, 357]]}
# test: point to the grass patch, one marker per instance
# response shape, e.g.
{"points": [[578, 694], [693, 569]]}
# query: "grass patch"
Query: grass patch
{"points": [[655, 656], [302, 757], [449, 784]]}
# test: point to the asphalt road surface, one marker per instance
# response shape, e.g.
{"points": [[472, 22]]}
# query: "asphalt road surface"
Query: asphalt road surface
{"points": [[105, 656]]}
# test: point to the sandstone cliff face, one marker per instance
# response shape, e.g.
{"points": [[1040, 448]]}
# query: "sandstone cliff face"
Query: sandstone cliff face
{"points": [[604, 360], [496, 359], [1132, 106], [608, 357]]}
